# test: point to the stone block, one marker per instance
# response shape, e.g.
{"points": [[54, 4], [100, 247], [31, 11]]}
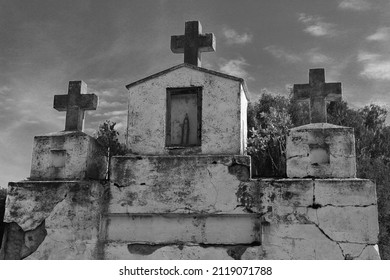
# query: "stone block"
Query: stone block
{"points": [[344, 192], [287, 192], [298, 242], [177, 184], [184, 228], [317, 218], [350, 223], [67, 155], [321, 150]]}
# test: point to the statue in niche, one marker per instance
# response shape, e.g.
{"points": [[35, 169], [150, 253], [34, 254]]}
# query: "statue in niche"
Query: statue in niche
{"points": [[185, 132]]}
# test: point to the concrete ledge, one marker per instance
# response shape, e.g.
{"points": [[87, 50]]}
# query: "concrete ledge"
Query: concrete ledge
{"points": [[345, 192]]}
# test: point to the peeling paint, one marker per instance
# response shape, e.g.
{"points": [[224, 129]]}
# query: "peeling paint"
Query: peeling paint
{"points": [[143, 249], [240, 171], [20, 244]]}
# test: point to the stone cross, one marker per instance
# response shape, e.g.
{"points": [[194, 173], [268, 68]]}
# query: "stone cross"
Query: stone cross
{"points": [[75, 103], [317, 92], [193, 42]]}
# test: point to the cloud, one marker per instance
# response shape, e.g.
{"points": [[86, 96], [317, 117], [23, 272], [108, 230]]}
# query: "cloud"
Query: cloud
{"points": [[107, 87], [366, 56], [111, 113], [232, 37], [4, 90], [280, 53], [315, 57], [235, 67], [355, 5], [374, 66], [315, 26], [104, 104], [379, 70], [382, 34]]}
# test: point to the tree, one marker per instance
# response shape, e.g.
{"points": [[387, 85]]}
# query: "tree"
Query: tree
{"points": [[268, 122], [107, 136]]}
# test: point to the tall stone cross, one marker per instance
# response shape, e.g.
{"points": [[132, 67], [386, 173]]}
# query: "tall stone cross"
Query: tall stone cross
{"points": [[75, 103], [193, 42], [317, 92]]}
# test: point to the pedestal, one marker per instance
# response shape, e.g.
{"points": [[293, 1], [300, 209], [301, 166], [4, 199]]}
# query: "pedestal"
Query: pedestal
{"points": [[321, 150], [67, 155]]}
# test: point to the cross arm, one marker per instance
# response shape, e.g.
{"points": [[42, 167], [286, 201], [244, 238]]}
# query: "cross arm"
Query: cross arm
{"points": [[301, 91], [333, 91], [207, 42], [84, 102], [89, 101], [177, 43], [60, 102]]}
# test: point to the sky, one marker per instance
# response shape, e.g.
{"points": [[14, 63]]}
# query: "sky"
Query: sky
{"points": [[109, 44]]}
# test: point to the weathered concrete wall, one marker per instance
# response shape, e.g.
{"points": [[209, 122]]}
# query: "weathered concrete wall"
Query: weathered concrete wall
{"points": [[222, 215], [176, 184], [211, 212], [321, 150], [222, 122], [316, 218], [180, 207], [67, 155], [53, 220]]}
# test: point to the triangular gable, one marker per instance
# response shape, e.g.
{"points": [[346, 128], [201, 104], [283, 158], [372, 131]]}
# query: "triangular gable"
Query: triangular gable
{"points": [[211, 72]]}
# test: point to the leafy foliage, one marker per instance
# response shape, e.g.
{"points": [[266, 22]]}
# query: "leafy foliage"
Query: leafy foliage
{"points": [[269, 122], [107, 136]]}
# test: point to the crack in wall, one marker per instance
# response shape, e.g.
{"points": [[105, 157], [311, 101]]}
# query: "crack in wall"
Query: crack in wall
{"points": [[297, 156], [361, 252], [345, 256], [344, 206]]}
